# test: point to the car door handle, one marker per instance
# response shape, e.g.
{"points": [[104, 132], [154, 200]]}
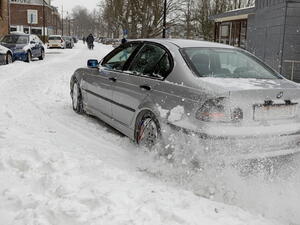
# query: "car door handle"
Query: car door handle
{"points": [[145, 87], [112, 79]]}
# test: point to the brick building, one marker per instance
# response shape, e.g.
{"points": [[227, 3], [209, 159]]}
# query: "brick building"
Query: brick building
{"points": [[4, 17], [35, 17]]}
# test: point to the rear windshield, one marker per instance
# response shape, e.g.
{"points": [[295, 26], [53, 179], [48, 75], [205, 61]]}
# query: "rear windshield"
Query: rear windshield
{"points": [[15, 39], [54, 38], [226, 63], [67, 38]]}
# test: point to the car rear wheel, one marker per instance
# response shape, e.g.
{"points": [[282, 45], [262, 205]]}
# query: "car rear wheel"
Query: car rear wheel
{"points": [[9, 58], [147, 130], [42, 55], [77, 98], [29, 57]]}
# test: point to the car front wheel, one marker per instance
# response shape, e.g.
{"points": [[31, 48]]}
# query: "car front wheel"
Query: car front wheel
{"points": [[42, 55], [77, 98], [9, 58], [147, 130]]}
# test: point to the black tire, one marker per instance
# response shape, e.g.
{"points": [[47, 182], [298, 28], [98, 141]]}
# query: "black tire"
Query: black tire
{"points": [[29, 57], [42, 55], [147, 129], [9, 58], [77, 103]]}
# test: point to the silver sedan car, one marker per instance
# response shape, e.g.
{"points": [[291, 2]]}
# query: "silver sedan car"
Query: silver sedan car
{"points": [[210, 89]]}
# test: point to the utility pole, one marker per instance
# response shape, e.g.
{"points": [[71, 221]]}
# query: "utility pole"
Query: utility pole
{"points": [[69, 27], [165, 19], [44, 22], [62, 20], [68, 24], [8, 15]]}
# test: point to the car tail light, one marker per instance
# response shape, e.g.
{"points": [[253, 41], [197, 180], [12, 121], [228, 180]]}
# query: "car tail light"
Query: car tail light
{"points": [[212, 110]]}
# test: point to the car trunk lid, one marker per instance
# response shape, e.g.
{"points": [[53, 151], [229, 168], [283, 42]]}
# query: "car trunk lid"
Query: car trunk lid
{"points": [[267, 104]]}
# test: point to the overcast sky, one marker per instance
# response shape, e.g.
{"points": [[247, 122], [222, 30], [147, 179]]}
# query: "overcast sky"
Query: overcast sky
{"points": [[70, 4]]}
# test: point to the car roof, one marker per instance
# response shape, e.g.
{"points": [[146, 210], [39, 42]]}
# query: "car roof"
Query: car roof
{"points": [[185, 43]]}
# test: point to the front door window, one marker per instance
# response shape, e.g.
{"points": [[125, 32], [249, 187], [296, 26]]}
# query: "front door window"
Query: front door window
{"points": [[117, 59]]}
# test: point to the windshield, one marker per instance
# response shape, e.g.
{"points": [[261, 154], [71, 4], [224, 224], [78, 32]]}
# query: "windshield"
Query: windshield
{"points": [[15, 39], [54, 38], [226, 63]]}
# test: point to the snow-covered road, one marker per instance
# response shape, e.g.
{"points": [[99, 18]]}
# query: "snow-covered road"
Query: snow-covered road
{"points": [[59, 168]]}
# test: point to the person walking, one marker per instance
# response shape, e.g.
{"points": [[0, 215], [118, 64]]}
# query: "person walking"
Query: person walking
{"points": [[90, 41], [123, 41], [83, 39]]}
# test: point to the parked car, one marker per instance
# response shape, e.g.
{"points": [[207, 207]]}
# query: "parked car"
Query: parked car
{"points": [[56, 41], [69, 41], [215, 91], [6, 55], [24, 47]]}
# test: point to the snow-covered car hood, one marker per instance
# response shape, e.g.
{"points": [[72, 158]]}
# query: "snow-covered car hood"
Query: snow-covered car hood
{"points": [[241, 84], [3, 50]]}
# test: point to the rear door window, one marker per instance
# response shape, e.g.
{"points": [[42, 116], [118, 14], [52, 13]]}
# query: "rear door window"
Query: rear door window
{"points": [[146, 62], [163, 68]]}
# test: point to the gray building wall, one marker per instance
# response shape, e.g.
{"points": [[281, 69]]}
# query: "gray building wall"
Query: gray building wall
{"points": [[265, 32], [274, 34], [291, 48]]}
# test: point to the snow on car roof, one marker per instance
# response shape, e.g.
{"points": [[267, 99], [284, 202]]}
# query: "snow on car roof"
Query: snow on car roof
{"points": [[185, 43]]}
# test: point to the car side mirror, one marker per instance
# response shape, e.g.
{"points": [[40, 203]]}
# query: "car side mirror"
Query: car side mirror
{"points": [[92, 63], [32, 42]]}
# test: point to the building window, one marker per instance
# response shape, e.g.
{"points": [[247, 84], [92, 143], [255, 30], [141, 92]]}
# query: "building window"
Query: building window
{"points": [[224, 33], [36, 31], [13, 29], [32, 16], [243, 37], [232, 33]]}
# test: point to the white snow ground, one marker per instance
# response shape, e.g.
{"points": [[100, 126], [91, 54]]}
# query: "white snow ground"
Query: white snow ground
{"points": [[59, 168]]}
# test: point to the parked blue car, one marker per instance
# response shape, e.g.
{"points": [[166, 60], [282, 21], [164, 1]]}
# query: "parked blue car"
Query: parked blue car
{"points": [[24, 47], [5, 55]]}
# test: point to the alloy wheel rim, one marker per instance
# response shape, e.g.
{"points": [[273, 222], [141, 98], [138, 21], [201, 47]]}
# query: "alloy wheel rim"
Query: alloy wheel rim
{"points": [[148, 133], [75, 96]]}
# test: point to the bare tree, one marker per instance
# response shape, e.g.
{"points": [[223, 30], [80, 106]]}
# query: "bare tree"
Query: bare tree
{"points": [[144, 18], [83, 21]]}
